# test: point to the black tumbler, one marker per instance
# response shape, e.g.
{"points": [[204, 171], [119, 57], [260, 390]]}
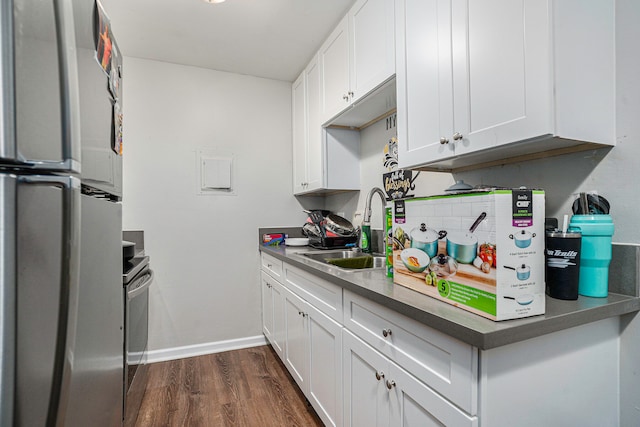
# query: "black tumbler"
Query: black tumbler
{"points": [[563, 264]]}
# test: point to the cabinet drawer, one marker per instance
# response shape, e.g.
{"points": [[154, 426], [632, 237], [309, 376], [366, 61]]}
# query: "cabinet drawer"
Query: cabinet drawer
{"points": [[272, 265], [323, 295], [445, 364]]}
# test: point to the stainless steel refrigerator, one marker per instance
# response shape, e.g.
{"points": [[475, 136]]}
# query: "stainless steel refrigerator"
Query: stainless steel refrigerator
{"points": [[61, 303]]}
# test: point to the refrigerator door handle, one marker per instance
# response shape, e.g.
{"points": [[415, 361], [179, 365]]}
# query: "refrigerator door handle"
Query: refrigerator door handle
{"points": [[70, 86], [8, 293], [69, 91], [8, 149], [69, 287]]}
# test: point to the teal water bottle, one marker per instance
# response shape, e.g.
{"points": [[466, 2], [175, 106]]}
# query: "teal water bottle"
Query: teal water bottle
{"points": [[595, 254]]}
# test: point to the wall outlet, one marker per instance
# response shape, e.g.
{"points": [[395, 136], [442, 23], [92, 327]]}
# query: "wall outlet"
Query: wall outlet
{"points": [[358, 216]]}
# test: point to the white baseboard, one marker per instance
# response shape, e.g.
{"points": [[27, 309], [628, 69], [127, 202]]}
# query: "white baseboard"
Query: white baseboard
{"points": [[174, 353]]}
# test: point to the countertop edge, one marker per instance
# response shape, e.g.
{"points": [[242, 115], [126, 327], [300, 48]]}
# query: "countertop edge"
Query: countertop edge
{"points": [[492, 334]]}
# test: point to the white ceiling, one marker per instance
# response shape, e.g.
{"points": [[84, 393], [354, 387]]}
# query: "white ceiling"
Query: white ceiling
{"points": [[266, 38]]}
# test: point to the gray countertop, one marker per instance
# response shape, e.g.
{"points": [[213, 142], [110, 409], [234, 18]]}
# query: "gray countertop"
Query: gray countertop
{"points": [[458, 323]]}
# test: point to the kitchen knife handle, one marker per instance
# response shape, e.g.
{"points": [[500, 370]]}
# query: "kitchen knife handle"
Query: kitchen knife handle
{"points": [[69, 286]]}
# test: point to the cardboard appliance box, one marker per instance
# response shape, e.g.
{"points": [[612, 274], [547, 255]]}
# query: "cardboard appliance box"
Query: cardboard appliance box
{"points": [[496, 270]]}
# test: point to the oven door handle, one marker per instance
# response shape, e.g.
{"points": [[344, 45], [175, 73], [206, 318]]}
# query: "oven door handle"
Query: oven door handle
{"points": [[147, 279]]}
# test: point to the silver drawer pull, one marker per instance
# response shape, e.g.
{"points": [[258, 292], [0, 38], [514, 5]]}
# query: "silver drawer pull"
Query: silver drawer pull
{"points": [[391, 384], [386, 332], [269, 265], [379, 375]]}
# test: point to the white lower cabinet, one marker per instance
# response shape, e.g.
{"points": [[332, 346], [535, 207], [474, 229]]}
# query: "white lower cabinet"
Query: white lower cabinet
{"points": [[295, 338], [362, 364], [380, 393], [366, 398], [273, 312], [447, 365], [313, 356]]}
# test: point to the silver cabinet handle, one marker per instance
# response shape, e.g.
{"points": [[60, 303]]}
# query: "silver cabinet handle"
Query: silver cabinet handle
{"points": [[386, 332], [390, 384], [351, 94], [379, 375], [345, 97], [444, 140], [457, 136], [269, 265]]}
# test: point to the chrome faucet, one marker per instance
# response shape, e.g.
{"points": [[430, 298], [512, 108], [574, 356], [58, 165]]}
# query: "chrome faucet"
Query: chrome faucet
{"points": [[366, 223], [367, 205]]}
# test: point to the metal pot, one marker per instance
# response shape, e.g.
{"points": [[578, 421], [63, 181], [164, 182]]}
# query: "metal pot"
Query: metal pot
{"points": [[338, 225], [463, 246], [523, 272], [522, 238], [310, 229], [426, 239]]}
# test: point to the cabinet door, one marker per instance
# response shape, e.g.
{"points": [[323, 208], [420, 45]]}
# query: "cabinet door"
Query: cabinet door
{"points": [[372, 45], [299, 134], [314, 153], [267, 306], [501, 72], [366, 399], [295, 338], [325, 367], [424, 81], [277, 330], [415, 404], [334, 60]]}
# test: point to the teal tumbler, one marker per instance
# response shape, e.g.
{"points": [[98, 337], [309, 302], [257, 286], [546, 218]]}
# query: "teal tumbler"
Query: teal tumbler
{"points": [[595, 255]]}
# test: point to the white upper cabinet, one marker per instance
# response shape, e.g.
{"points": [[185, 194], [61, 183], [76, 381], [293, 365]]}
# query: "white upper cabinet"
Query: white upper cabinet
{"points": [[323, 159], [372, 45], [334, 60], [481, 80], [358, 56], [299, 133], [307, 132], [314, 128]]}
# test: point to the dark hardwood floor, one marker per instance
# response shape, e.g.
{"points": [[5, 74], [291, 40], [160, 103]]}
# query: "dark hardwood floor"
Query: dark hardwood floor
{"points": [[248, 387]]}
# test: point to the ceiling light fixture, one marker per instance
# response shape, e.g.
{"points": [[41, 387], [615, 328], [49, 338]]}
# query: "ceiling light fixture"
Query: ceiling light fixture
{"points": [[214, 1]]}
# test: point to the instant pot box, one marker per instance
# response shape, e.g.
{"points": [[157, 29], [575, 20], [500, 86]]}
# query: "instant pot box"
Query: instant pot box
{"points": [[482, 250]]}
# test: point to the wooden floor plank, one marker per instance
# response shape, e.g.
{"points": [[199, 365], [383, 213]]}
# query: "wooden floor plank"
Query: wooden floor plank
{"points": [[240, 388]]}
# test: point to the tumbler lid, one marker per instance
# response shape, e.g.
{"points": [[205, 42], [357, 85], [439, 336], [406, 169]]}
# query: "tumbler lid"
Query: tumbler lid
{"points": [[569, 234]]}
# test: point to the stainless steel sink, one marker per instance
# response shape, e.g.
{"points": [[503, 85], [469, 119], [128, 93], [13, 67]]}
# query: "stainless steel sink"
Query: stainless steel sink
{"points": [[323, 257]]}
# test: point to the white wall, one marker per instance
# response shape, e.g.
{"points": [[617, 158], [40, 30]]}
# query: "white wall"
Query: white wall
{"points": [[204, 248]]}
